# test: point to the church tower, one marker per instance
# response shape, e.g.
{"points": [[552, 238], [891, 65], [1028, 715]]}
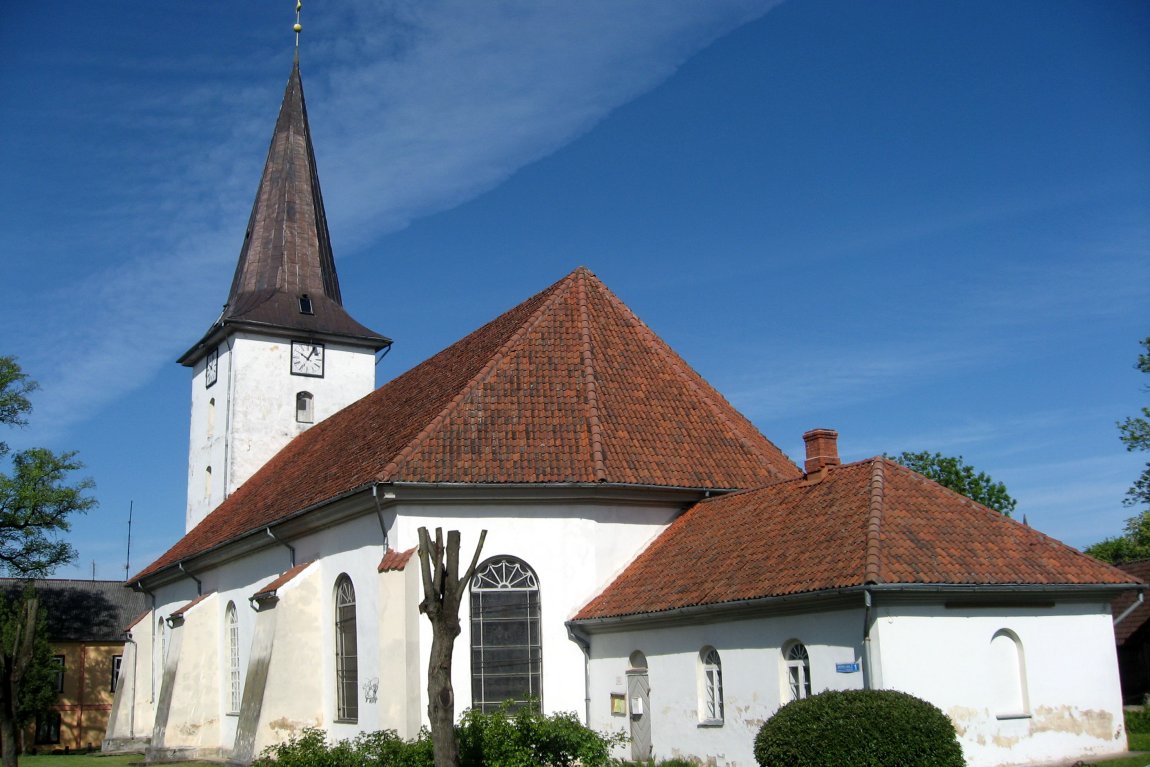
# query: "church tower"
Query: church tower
{"points": [[284, 354]]}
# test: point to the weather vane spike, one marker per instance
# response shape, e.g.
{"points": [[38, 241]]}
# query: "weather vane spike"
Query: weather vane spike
{"points": [[298, 27]]}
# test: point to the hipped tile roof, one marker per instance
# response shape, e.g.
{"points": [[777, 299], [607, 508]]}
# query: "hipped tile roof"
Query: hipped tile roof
{"points": [[287, 248], [872, 522], [567, 387]]}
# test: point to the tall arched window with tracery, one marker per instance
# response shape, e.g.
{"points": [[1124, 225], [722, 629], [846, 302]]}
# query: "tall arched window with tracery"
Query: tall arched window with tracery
{"points": [[506, 647], [798, 665], [232, 623], [346, 649]]}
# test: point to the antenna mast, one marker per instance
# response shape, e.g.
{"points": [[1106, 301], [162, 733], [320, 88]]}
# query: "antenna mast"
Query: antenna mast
{"points": [[128, 561]]}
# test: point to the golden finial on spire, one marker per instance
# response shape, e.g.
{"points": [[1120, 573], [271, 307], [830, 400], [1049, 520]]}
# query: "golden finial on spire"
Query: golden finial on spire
{"points": [[298, 27]]}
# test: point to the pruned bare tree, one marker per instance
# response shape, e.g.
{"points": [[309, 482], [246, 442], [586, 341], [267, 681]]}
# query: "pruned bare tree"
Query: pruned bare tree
{"points": [[443, 591]]}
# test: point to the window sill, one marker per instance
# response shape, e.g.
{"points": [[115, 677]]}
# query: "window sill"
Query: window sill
{"points": [[711, 723], [1001, 717], [347, 721], [232, 713]]}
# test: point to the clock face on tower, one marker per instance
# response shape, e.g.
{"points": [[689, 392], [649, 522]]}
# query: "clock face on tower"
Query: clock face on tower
{"points": [[306, 359], [212, 368]]}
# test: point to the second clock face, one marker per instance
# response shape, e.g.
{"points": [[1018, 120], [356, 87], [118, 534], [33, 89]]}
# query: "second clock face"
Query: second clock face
{"points": [[306, 359], [212, 368]]}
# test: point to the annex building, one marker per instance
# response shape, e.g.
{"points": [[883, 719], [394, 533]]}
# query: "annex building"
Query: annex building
{"points": [[652, 561]]}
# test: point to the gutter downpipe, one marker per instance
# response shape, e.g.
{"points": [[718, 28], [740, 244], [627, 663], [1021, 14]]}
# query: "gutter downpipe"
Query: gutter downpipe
{"points": [[199, 586], [583, 639], [872, 673], [1126, 613], [285, 544], [390, 496]]}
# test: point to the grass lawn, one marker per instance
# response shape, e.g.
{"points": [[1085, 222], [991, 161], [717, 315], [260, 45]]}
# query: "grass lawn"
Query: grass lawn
{"points": [[88, 760]]}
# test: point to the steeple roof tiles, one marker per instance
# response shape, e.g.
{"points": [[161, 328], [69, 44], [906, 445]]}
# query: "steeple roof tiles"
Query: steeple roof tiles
{"points": [[567, 387], [287, 248], [872, 522]]}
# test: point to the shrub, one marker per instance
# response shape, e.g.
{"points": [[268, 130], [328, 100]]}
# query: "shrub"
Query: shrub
{"points": [[1137, 719], [373, 749], [527, 738], [860, 728], [505, 738]]}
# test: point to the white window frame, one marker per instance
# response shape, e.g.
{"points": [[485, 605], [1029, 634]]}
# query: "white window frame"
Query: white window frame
{"points": [[346, 651], [304, 407], [797, 664], [710, 687], [235, 681]]}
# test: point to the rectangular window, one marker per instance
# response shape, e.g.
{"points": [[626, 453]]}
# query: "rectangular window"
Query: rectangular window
{"points": [[48, 728], [116, 661], [58, 670]]}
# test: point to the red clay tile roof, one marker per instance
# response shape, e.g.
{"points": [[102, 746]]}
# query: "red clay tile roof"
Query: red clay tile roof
{"points": [[568, 387], [278, 583], [1136, 619], [395, 560], [872, 522], [179, 612]]}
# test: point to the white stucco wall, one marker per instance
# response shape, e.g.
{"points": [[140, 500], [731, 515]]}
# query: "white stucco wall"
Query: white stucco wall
{"points": [[575, 551], [253, 415], [1070, 677], [754, 679], [193, 719]]}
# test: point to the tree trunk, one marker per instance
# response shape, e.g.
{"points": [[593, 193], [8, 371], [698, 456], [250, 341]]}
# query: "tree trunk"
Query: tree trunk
{"points": [[443, 591], [15, 656]]}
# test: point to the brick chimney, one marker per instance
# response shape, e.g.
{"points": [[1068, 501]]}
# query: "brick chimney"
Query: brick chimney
{"points": [[822, 449]]}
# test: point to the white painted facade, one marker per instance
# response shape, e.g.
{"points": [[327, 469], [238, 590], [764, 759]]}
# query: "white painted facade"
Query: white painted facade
{"points": [[1066, 677], [249, 413], [575, 542]]}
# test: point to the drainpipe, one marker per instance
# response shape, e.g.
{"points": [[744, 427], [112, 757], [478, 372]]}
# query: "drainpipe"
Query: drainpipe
{"points": [[872, 673], [1126, 613], [583, 639], [379, 499], [290, 548], [199, 586]]}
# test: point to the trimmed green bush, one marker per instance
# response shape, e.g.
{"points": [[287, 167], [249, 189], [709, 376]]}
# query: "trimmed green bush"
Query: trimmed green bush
{"points": [[505, 738], [858, 728]]}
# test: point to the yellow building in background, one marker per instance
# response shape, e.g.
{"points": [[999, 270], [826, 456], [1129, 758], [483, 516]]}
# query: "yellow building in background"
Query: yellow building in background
{"points": [[86, 628]]}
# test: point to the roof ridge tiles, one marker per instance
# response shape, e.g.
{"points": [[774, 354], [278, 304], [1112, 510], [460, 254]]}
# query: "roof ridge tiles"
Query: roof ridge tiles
{"points": [[396, 464], [874, 522], [589, 378]]}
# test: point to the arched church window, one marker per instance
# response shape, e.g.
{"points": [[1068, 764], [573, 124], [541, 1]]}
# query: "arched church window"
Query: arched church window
{"points": [[346, 647], [710, 686], [232, 626], [798, 664], [506, 646], [211, 416], [304, 407], [207, 483]]}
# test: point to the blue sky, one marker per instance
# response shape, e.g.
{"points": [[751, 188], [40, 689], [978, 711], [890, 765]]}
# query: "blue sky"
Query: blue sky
{"points": [[926, 225]]}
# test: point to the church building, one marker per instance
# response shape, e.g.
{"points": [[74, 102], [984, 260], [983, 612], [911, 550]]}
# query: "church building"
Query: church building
{"points": [[652, 561]]}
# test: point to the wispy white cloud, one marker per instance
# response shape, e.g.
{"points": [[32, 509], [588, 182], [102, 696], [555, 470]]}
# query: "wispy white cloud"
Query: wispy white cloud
{"points": [[425, 105]]}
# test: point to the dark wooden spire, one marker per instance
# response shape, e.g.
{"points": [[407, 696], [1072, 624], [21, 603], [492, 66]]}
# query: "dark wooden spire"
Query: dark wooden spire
{"points": [[285, 281]]}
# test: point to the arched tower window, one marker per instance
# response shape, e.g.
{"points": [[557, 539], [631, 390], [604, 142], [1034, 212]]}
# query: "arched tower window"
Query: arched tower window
{"points": [[506, 646], [207, 483], [1008, 676], [798, 665], [710, 686], [346, 648], [232, 626], [304, 407], [211, 416]]}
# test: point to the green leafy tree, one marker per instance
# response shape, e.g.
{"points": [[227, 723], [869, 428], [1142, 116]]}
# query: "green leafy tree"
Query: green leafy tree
{"points": [[1135, 434], [956, 474], [37, 501], [1134, 543]]}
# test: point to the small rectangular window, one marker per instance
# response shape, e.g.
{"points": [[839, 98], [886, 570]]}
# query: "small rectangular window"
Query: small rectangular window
{"points": [[58, 670], [116, 661], [48, 728], [305, 306]]}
